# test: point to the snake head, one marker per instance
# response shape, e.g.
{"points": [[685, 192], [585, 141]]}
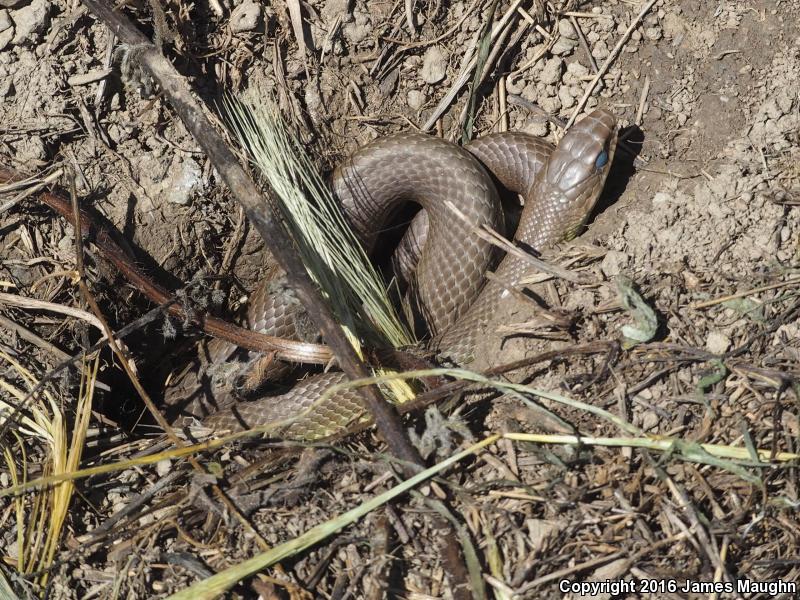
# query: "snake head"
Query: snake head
{"points": [[567, 190]]}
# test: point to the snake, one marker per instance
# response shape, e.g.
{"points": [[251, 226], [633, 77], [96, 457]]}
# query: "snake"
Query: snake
{"points": [[457, 188]]}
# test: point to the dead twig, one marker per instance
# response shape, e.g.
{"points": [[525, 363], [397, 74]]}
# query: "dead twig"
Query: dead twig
{"points": [[104, 240]]}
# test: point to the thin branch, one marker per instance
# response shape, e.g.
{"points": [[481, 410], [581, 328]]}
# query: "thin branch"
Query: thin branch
{"points": [[104, 240]]}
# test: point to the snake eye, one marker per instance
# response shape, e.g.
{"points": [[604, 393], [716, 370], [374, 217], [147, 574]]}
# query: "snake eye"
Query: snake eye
{"points": [[601, 160]]}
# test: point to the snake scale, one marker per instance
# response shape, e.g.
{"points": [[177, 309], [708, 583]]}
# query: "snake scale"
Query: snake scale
{"points": [[559, 187]]}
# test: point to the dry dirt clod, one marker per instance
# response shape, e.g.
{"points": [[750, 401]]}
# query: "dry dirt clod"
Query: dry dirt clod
{"points": [[245, 17], [30, 21], [434, 65], [551, 71], [416, 99]]}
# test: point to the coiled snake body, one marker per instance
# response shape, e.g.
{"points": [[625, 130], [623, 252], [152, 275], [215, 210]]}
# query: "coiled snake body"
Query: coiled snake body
{"points": [[559, 186]]}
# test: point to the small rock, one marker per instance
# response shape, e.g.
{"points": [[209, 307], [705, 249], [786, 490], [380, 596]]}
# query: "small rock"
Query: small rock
{"points": [[566, 29], [314, 103], [566, 97], [184, 179], [691, 280], [5, 20], [613, 263], [653, 33], [600, 50], [577, 69], [5, 40], [415, 99], [11, 3], [515, 86], [550, 104], [563, 46], [717, 342], [650, 420], [551, 71], [245, 17], [537, 127], [434, 65], [163, 467], [30, 21]]}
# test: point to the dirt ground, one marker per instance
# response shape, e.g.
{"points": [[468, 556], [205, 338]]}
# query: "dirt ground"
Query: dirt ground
{"points": [[700, 212]]}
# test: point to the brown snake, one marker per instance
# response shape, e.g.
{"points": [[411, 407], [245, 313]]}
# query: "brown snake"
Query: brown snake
{"points": [[559, 186]]}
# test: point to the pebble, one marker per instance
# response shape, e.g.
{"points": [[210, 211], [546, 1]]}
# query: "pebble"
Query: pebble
{"points": [[600, 50], [653, 33], [717, 342], [184, 180], [563, 46], [551, 71], [434, 65], [550, 104], [163, 467], [5, 20], [784, 101], [613, 263], [30, 21], [515, 86], [566, 97], [650, 420], [537, 127], [245, 17], [566, 29], [415, 99], [577, 70]]}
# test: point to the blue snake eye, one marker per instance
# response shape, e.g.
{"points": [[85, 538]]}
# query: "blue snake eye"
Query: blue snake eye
{"points": [[601, 160]]}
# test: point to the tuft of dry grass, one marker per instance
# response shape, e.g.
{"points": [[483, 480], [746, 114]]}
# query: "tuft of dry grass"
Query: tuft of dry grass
{"points": [[41, 514]]}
